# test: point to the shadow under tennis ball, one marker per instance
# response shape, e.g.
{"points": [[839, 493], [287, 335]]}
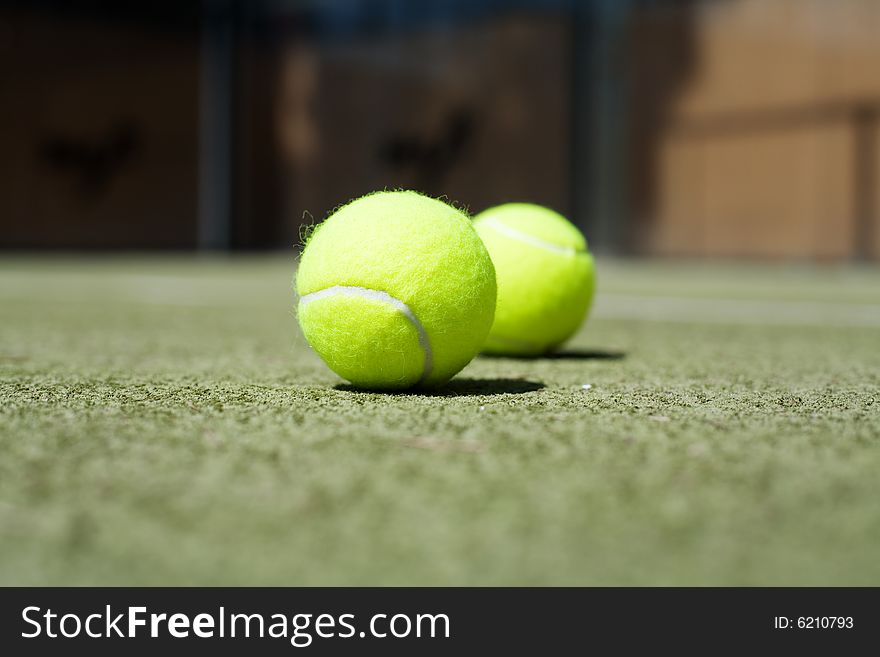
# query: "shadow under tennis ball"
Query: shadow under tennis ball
{"points": [[461, 387], [566, 354]]}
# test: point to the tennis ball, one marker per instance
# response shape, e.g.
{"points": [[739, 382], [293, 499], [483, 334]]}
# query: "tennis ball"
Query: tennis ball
{"points": [[396, 290], [545, 277]]}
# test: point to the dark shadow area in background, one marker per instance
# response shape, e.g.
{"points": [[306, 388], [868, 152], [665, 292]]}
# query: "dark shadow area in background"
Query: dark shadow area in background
{"points": [[660, 61], [463, 387], [432, 157], [567, 354], [225, 106]]}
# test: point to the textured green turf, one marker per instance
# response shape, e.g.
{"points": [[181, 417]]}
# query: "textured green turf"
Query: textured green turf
{"points": [[163, 422]]}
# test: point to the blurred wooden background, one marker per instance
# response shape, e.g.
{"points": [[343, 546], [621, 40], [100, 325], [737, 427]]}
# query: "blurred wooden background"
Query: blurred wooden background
{"points": [[726, 128], [769, 146]]}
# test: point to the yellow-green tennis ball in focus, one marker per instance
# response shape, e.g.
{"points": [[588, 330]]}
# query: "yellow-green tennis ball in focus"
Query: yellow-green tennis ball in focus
{"points": [[396, 290], [545, 277]]}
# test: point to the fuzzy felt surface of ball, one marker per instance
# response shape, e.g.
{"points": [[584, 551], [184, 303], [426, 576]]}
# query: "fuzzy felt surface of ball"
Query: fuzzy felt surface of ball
{"points": [[545, 275], [396, 290]]}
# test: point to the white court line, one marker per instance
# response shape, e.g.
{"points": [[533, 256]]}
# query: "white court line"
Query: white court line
{"points": [[735, 311], [158, 289], [169, 290]]}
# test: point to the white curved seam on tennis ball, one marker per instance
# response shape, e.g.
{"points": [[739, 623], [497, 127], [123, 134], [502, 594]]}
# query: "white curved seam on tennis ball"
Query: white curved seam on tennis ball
{"points": [[383, 297], [515, 234]]}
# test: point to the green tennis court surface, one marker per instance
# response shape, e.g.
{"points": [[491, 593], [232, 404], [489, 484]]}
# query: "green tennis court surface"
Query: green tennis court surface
{"points": [[163, 422]]}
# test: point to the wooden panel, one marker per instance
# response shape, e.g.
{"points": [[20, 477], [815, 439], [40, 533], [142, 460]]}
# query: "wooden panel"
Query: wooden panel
{"points": [[760, 54], [785, 194], [874, 230], [681, 211], [97, 124], [768, 148], [477, 113]]}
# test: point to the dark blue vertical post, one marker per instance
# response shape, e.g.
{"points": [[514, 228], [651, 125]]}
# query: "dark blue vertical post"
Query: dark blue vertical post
{"points": [[599, 122], [216, 125]]}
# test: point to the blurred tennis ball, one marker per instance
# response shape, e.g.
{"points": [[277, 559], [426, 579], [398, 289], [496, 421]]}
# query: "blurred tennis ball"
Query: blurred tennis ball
{"points": [[545, 277], [396, 290]]}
